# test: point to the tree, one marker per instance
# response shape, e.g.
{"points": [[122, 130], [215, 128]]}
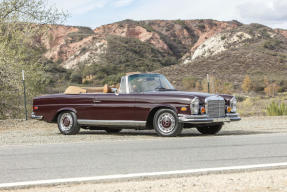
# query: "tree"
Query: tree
{"points": [[246, 84], [271, 89], [22, 25]]}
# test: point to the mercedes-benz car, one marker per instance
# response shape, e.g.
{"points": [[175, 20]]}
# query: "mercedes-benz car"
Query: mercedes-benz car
{"points": [[143, 101]]}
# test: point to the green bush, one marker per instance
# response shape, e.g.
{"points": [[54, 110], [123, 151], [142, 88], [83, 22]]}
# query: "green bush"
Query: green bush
{"points": [[276, 109], [240, 98], [76, 77], [272, 44], [82, 33]]}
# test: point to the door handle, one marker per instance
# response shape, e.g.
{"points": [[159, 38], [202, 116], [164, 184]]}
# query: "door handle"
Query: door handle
{"points": [[97, 101]]}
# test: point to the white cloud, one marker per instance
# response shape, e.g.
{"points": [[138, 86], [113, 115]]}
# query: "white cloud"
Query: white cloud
{"points": [[79, 6], [122, 3], [271, 12], [268, 12], [186, 9]]}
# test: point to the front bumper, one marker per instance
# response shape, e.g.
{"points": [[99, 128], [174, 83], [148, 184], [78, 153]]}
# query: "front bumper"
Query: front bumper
{"points": [[33, 116], [201, 119]]}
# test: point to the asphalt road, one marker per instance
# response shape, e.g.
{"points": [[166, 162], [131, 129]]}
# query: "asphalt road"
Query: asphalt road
{"points": [[54, 161]]}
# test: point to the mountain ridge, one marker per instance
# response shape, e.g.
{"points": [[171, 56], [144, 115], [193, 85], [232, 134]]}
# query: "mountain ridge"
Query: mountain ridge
{"points": [[106, 52]]}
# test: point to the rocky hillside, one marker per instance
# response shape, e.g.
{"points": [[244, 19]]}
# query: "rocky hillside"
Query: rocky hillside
{"points": [[178, 48], [254, 50]]}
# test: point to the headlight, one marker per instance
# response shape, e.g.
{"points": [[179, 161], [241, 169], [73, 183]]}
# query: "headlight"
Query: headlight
{"points": [[233, 104], [194, 106]]}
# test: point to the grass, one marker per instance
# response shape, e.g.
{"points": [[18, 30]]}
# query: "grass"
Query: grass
{"points": [[263, 105], [276, 109]]}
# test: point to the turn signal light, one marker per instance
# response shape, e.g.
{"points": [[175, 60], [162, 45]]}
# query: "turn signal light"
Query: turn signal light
{"points": [[228, 109], [35, 108], [202, 110], [183, 109]]}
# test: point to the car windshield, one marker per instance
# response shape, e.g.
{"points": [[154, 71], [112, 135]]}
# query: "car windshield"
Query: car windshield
{"points": [[148, 82]]}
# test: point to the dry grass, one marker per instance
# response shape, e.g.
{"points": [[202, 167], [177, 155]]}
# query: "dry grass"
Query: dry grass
{"points": [[256, 105]]}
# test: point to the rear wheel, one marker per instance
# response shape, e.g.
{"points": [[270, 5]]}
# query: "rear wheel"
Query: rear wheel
{"points": [[166, 123], [210, 129], [113, 130], [67, 123]]}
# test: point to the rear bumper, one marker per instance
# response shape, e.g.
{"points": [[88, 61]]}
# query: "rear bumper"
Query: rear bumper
{"points": [[33, 116], [201, 119]]}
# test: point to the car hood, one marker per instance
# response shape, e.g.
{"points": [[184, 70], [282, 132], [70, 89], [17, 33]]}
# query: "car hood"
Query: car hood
{"points": [[185, 93], [191, 95]]}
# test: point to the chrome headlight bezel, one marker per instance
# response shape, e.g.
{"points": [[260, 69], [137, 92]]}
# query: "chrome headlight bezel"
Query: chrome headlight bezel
{"points": [[233, 104], [194, 106]]}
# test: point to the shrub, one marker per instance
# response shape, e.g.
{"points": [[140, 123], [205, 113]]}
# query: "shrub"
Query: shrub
{"points": [[246, 84], [227, 88], [240, 98], [190, 82], [76, 77], [276, 109], [180, 22], [217, 86], [272, 44], [271, 90], [82, 33], [201, 27]]}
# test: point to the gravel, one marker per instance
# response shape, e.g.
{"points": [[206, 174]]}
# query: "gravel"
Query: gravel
{"points": [[19, 132], [255, 181]]}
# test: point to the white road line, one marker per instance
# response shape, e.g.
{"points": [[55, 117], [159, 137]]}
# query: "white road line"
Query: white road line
{"points": [[141, 175]]}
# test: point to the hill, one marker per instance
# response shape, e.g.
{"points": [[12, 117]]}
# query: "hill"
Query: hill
{"points": [[178, 48], [254, 50]]}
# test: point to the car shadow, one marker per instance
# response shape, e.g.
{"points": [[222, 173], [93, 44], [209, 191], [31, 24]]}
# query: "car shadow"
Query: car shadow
{"points": [[185, 133]]}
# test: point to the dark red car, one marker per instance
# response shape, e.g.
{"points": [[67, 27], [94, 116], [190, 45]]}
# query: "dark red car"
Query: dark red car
{"points": [[143, 101]]}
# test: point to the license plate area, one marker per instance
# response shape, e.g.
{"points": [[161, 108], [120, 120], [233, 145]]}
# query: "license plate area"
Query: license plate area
{"points": [[225, 119]]}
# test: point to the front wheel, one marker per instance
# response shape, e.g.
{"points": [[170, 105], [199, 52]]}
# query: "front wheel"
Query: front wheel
{"points": [[67, 123], [210, 129], [166, 123]]}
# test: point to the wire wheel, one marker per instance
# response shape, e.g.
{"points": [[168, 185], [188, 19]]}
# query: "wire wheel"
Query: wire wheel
{"points": [[166, 122], [66, 122]]}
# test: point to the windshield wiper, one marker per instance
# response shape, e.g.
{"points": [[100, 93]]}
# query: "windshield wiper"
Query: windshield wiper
{"points": [[164, 89]]}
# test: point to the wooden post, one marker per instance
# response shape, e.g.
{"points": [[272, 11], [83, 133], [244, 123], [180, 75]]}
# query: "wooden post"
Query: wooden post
{"points": [[208, 87], [25, 103]]}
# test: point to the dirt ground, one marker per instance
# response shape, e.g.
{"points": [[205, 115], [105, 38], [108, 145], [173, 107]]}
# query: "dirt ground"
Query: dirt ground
{"points": [[255, 181], [18, 132]]}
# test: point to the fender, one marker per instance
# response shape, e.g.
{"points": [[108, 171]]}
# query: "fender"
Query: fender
{"points": [[61, 110], [155, 108]]}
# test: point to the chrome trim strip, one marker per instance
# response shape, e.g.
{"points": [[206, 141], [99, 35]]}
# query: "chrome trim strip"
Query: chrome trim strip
{"points": [[214, 97], [201, 119], [33, 116], [127, 123], [127, 85]]}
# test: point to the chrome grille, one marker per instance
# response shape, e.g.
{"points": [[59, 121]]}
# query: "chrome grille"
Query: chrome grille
{"points": [[216, 108]]}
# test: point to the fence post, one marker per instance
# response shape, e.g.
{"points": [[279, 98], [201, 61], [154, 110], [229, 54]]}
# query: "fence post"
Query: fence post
{"points": [[208, 89], [25, 103]]}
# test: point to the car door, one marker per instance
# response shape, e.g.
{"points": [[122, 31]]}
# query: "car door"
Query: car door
{"points": [[113, 107]]}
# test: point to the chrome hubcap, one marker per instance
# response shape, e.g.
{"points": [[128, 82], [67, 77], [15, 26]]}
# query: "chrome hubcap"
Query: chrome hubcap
{"points": [[166, 122], [66, 122]]}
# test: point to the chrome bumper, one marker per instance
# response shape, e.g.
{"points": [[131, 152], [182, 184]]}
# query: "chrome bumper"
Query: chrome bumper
{"points": [[33, 116], [201, 119]]}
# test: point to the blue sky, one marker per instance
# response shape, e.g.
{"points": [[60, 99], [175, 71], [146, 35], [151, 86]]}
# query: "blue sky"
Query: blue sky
{"points": [[94, 13]]}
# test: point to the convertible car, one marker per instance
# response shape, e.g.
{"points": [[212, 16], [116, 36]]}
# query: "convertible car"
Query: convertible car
{"points": [[143, 101]]}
